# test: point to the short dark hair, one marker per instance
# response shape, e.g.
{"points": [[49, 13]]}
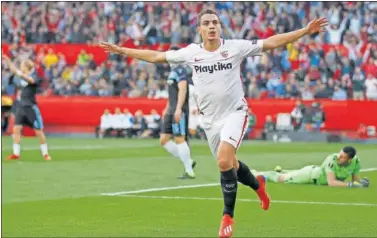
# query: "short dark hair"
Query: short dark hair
{"points": [[206, 11], [350, 151]]}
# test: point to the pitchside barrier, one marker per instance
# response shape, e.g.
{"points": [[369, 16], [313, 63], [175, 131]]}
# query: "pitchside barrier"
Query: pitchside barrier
{"points": [[82, 114]]}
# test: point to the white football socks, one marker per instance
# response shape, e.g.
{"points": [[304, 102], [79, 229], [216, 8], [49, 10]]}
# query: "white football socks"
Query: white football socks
{"points": [[171, 147], [184, 154], [16, 149], [44, 149], [271, 176]]}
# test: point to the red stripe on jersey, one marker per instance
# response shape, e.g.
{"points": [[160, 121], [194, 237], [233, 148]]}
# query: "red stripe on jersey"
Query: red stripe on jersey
{"points": [[243, 99], [243, 130]]}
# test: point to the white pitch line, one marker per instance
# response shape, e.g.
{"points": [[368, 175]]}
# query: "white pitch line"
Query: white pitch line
{"points": [[252, 200], [83, 147], [160, 189], [368, 170], [182, 187]]}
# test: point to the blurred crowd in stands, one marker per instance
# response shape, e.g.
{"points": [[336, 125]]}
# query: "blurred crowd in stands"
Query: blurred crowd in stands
{"points": [[307, 69]]}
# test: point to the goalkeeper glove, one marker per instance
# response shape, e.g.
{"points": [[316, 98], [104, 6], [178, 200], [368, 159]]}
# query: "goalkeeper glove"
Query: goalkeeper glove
{"points": [[364, 182], [355, 184]]}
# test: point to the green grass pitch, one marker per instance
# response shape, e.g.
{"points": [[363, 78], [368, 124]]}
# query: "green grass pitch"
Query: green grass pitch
{"points": [[85, 192]]}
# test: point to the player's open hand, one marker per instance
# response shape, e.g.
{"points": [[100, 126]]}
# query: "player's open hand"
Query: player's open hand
{"points": [[178, 115], [317, 26], [110, 48], [363, 183]]}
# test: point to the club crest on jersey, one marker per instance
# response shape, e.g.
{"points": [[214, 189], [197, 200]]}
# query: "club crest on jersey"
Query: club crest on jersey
{"points": [[224, 54]]}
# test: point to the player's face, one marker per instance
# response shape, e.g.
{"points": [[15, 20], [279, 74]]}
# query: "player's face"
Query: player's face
{"points": [[343, 159], [209, 27]]}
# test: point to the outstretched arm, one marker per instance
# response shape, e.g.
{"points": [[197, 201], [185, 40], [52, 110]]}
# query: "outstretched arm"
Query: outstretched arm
{"points": [[280, 40], [17, 72], [182, 94], [144, 55], [333, 182]]}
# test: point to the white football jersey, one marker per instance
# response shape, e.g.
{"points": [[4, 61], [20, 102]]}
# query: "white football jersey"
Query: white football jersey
{"points": [[192, 98], [216, 75]]}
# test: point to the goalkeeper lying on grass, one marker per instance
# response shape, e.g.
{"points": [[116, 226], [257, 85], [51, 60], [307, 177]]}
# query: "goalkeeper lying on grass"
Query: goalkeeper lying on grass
{"points": [[334, 171]]}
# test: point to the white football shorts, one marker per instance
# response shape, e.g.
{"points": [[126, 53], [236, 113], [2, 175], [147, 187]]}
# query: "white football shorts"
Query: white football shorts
{"points": [[231, 129]]}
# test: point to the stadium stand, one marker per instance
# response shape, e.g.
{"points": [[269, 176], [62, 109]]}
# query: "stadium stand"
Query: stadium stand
{"points": [[340, 64]]}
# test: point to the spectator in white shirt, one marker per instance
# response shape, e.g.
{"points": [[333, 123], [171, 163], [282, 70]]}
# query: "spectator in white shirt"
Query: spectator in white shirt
{"points": [[371, 87], [118, 125], [161, 92], [153, 125], [297, 115], [355, 23], [128, 120], [334, 33], [333, 15], [155, 120], [354, 48], [307, 93], [106, 123]]}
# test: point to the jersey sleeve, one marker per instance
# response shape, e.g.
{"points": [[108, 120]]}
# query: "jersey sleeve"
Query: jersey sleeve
{"points": [[192, 98], [249, 47], [176, 57], [356, 171], [328, 164], [35, 77], [182, 75]]}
